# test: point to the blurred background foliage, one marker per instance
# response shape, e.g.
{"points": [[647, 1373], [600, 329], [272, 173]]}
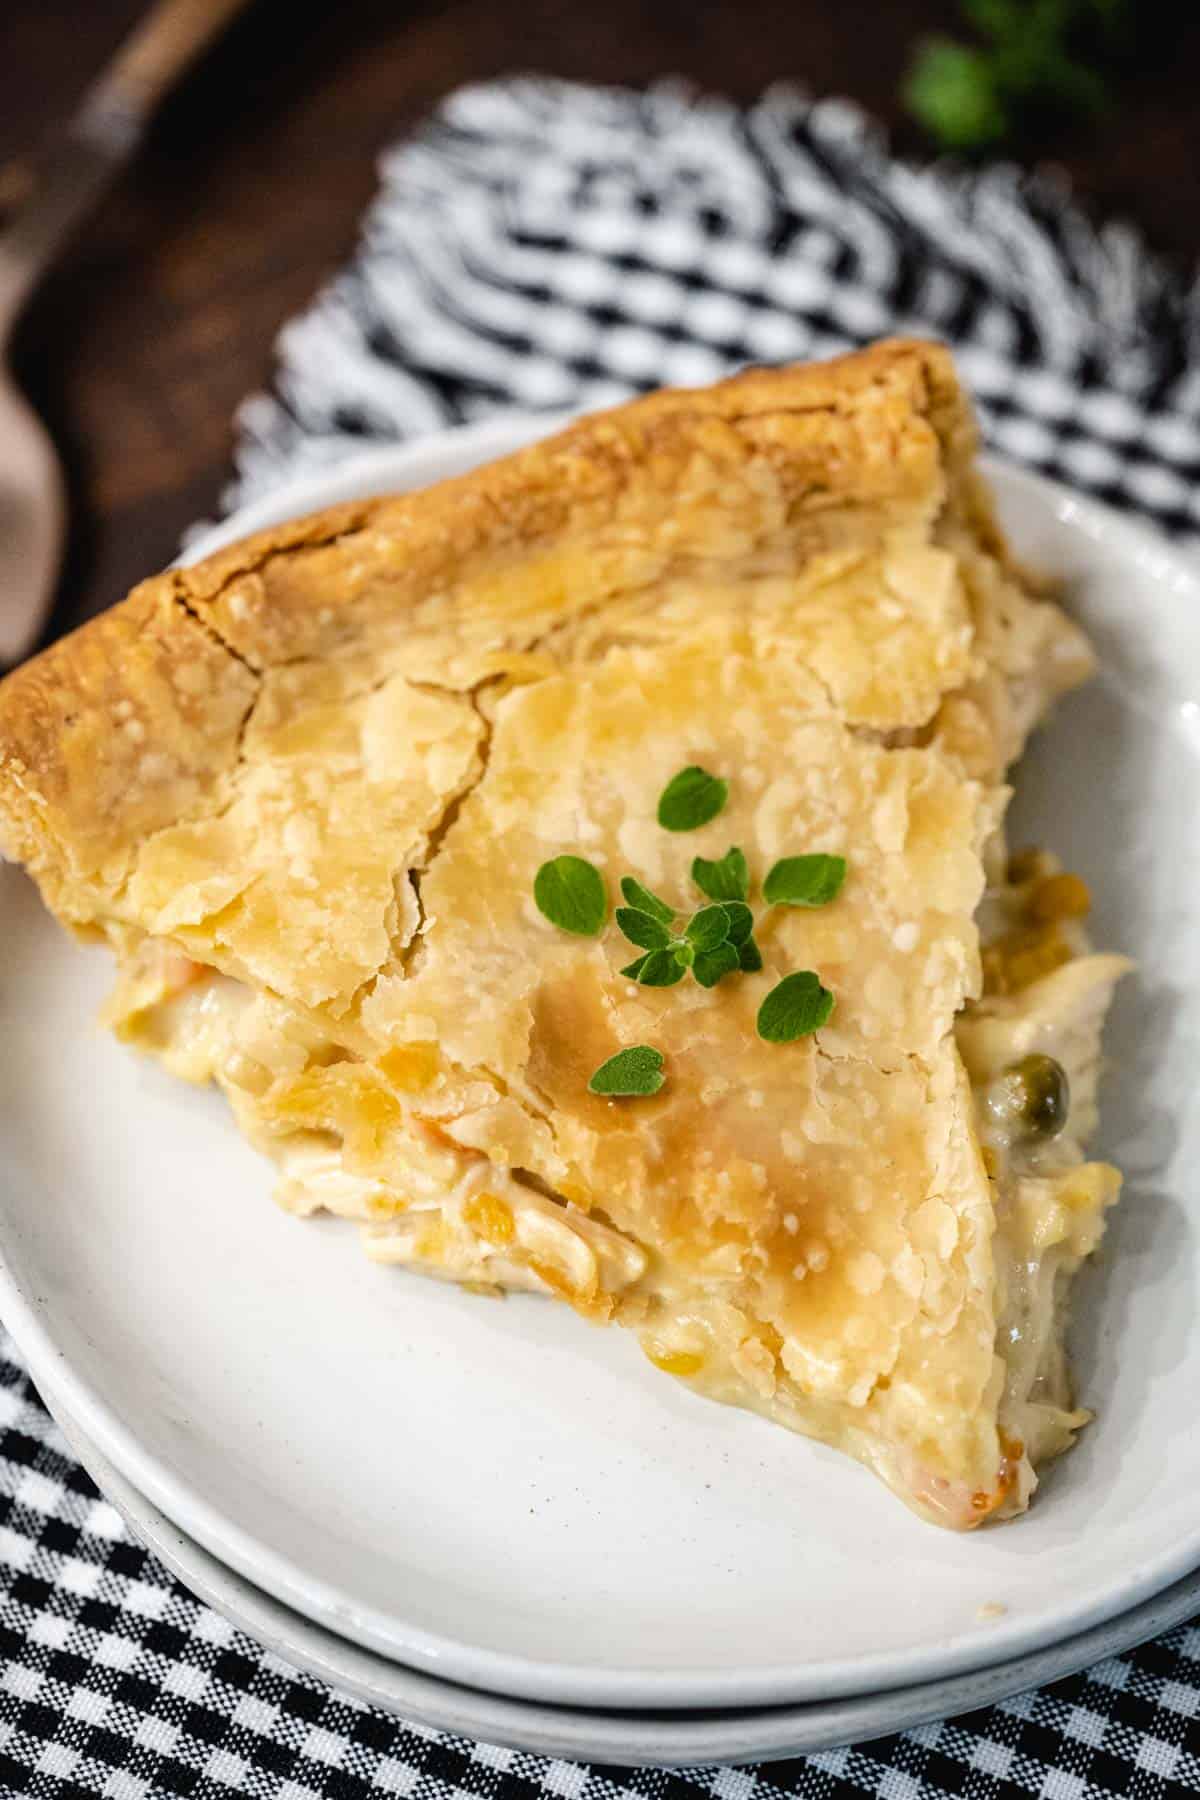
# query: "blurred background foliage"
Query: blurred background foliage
{"points": [[1025, 63]]}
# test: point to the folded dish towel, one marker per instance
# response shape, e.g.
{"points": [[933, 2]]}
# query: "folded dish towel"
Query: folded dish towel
{"points": [[549, 246], [546, 245]]}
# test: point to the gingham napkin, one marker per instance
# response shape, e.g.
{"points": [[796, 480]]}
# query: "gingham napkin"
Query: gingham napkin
{"points": [[541, 245]]}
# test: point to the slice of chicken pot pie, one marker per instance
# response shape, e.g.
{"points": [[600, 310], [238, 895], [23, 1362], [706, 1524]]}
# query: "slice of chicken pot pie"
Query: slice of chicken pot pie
{"points": [[589, 876]]}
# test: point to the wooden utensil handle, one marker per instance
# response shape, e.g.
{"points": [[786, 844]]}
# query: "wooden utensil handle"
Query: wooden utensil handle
{"points": [[99, 138], [158, 51]]}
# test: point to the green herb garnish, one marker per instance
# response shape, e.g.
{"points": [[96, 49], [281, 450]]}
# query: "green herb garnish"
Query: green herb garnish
{"points": [[570, 893], [741, 936], [797, 1006], [805, 881], [636, 1071], [658, 968], [726, 879], [642, 929], [707, 928], [708, 945], [749, 957], [690, 799], [641, 897], [741, 920], [1034, 60], [711, 966], [716, 940]]}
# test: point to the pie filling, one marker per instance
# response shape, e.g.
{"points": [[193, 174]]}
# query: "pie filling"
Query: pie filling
{"points": [[1031, 1048]]}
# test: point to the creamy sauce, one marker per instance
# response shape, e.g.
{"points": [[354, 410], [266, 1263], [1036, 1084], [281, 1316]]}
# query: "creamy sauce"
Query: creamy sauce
{"points": [[1050, 1202]]}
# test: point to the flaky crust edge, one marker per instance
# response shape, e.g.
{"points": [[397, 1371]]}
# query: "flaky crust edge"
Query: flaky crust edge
{"points": [[123, 727]]}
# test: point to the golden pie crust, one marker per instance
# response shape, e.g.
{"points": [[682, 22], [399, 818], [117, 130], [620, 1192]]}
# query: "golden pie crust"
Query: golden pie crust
{"points": [[303, 789]]}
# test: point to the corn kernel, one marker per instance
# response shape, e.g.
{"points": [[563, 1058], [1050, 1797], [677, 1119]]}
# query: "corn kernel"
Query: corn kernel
{"points": [[491, 1217], [676, 1362], [555, 1279], [1060, 897], [410, 1068], [368, 1116], [375, 1107]]}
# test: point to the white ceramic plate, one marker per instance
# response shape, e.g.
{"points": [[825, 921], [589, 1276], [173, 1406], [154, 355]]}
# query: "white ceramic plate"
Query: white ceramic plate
{"points": [[673, 1739], [499, 1495]]}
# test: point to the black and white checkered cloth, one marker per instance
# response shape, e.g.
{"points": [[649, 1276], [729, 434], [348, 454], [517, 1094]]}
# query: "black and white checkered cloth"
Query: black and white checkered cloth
{"points": [[541, 245]]}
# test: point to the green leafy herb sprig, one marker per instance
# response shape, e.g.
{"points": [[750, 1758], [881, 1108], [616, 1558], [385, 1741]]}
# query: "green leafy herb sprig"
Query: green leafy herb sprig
{"points": [[1036, 57], [717, 940], [714, 942]]}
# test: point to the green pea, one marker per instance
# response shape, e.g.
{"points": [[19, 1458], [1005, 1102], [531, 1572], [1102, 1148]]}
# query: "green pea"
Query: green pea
{"points": [[1034, 1095]]}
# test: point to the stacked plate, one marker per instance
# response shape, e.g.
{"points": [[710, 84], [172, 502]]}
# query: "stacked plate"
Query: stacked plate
{"points": [[489, 1518]]}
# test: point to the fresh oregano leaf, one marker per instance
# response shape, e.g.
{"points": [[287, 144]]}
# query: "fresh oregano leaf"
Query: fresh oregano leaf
{"points": [[636, 895], [711, 965], [570, 893], [707, 928], [749, 957], [647, 933], [658, 968], [683, 952], [726, 879], [741, 921], [630, 1073], [797, 1006], [805, 881], [690, 799]]}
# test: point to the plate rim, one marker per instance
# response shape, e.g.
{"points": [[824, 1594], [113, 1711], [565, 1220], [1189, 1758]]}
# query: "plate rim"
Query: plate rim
{"points": [[395, 467], [644, 1739]]}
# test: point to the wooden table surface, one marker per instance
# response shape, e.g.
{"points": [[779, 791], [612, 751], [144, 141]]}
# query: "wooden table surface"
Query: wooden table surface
{"points": [[247, 193]]}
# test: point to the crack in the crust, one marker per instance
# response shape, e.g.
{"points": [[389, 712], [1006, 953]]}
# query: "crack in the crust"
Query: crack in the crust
{"points": [[210, 630], [263, 556], [242, 732], [904, 737], [543, 1109], [438, 833], [120, 888], [531, 1101], [543, 641], [912, 1057]]}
